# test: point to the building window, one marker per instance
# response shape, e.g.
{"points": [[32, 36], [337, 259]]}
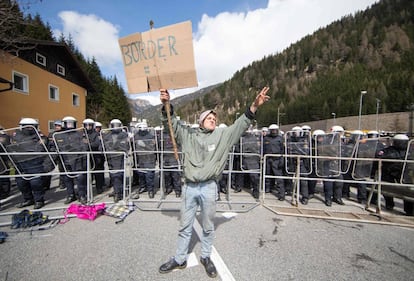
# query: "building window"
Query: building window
{"points": [[20, 82], [60, 69], [40, 59], [75, 99], [53, 93], [51, 125]]}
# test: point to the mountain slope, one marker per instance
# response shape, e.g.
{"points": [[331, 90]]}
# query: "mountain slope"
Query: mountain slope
{"points": [[325, 72]]}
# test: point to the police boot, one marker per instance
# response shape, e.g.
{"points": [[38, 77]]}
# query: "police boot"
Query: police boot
{"points": [[70, 199]]}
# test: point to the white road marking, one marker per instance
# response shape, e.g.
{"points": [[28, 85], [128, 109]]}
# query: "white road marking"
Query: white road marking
{"points": [[221, 267]]}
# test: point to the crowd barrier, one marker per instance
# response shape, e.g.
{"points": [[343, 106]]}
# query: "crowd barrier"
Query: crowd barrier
{"points": [[403, 189]]}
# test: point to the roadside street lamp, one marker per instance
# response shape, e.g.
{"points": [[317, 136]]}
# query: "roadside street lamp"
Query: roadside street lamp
{"points": [[376, 120], [278, 115], [334, 117], [360, 109]]}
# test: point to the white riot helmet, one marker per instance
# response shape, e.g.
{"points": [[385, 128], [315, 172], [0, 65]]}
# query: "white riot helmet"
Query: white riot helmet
{"points": [[297, 130], [400, 141], [337, 129], [115, 123], [28, 121], [317, 132], [306, 128], [98, 124], [273, 127], [69, 122], [88, 124], [142, 126], [373, 134], [273, 130], [222, 125]]}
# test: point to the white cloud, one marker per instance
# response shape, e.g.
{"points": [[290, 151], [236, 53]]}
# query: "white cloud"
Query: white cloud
{"points": [[224, 43], [227, 42], [93, 36]]}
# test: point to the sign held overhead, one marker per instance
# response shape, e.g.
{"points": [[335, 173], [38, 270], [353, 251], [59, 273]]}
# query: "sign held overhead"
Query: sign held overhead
{"points": [[159, 58]]}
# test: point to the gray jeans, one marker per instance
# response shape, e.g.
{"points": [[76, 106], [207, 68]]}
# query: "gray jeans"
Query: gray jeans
{"points": [[197, 194]]}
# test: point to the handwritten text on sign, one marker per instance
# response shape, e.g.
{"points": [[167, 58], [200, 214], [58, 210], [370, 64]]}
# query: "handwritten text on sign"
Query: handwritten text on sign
{"points": [[159, 58]]}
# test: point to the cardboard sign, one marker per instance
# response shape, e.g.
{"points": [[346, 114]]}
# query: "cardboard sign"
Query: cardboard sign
{"points": [[159, 58]]}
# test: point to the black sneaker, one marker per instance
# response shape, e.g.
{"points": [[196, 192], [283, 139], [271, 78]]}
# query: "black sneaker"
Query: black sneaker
{"points": [[25, 203], [209, 266], [171, 265]]}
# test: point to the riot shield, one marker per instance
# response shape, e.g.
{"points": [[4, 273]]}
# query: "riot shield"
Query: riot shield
{"points": [[167, 158], [27, 151], [365, 148], [145, 149], [115, 140], [347, 151], [251, 148], [408, 168], [328, 145], [67, 143], [298, 145]]}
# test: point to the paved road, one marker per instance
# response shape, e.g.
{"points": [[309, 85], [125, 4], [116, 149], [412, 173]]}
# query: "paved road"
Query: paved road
{"points": [[253, 245]]}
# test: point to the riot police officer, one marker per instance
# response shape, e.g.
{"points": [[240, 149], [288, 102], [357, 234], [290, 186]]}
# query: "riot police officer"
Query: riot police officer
{"points": [[391, 171], [251, 144], [98, 159], [273, 144], [116, 139], [52, 148], [172, 177], [298, 143], [145, 152], [71, 139], [27, 139]]}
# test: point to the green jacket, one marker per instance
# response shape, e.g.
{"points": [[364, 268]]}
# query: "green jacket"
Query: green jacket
{"points": [[205, 152]]}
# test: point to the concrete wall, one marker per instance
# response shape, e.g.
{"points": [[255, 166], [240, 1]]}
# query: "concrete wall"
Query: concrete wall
{"points": [[389, 122]]}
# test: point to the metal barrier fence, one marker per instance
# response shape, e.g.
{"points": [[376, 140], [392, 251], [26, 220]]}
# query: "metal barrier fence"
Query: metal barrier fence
{"points": [[403, 189]]}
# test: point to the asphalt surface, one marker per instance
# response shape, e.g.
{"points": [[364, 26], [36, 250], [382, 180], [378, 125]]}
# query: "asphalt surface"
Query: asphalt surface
{"points": [[252, 243]]}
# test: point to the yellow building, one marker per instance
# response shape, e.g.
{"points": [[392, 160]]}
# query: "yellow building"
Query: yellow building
{"points": [[48, 84]]}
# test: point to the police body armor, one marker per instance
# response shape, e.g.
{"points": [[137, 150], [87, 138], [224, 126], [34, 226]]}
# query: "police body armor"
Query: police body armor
{"points": [[366, 148], [28, 139], [145, 149], [74, 140], [168, 158], [298, 145], [328, 145], [251, 147], [115, 140]]}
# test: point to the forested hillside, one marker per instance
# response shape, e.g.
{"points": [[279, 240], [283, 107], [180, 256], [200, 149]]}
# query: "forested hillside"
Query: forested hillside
{"points": [[325, 72], [108, 101]]}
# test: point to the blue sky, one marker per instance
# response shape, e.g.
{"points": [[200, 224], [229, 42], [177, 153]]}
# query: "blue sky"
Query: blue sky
{"points": [[227, 34]]}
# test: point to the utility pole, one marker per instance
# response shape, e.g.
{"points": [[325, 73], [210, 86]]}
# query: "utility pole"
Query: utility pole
{"points": [[360, 109]]}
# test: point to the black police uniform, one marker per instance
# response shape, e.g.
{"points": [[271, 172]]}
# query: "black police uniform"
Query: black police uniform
{"points": [[172, 177], [27, 140], [73, 141], [146, 160], [116, 140], [274, 144]]}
